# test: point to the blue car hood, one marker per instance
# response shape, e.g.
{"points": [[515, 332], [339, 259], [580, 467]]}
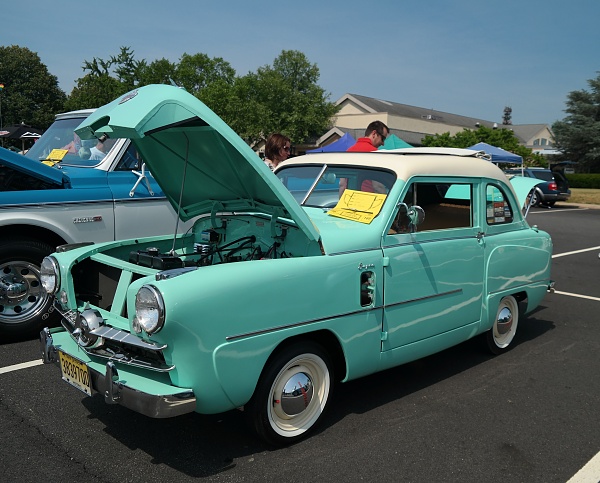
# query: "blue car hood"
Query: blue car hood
{"points": [[33, 168], [200, 163]]}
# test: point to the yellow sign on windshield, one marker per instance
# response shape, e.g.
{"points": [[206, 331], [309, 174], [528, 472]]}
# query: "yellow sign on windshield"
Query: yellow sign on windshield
{"points": [[358, 206], [55, 156]]}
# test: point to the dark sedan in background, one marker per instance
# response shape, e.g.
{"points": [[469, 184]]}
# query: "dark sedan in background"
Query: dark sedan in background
{"points": [[555, 188]]}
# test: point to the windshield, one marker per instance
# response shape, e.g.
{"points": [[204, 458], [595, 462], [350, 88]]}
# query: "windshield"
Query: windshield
{"points": [[60, 135], [333, 180]]}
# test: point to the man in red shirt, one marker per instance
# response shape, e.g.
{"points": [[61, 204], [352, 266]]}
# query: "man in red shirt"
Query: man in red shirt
{"points": [[375, 135]]}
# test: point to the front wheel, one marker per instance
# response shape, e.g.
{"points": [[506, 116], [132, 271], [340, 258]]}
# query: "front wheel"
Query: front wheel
{"points": [[25, 307], [504, 329], [291, 394]]}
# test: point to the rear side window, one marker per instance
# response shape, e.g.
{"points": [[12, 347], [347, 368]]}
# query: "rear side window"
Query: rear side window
{"points": [[497, 207], [446, 206], [544, 175]]}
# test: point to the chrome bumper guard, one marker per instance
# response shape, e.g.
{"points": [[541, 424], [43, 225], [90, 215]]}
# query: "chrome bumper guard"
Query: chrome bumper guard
{"points": [[550, 288], [115, 392]]}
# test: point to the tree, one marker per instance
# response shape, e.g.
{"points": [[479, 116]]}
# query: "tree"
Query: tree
{"points": [[501, 138], [31, 94], [195, 72], [105, 80], [577, 136], [284, 97], [297, 106], [161, 71]]}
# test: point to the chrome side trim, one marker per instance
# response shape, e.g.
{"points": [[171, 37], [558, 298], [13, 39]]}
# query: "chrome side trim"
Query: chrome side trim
{"points": [[426, 297], [85, 203], [230, 338]]}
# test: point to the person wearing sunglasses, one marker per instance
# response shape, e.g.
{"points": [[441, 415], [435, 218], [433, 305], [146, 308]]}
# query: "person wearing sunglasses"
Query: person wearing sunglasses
{"points": [[277, 150], [375, 136]]}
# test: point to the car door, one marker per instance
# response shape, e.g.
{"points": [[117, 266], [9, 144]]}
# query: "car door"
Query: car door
{"points": [[434, 275], [140, 206]]}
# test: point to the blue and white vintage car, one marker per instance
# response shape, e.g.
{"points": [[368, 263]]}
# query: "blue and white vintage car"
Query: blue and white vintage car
{"points": [[287, 284], [47, 200]]}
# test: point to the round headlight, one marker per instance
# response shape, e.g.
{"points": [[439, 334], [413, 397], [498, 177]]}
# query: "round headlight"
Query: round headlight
{"points": [[50, 275], [149, 309]]}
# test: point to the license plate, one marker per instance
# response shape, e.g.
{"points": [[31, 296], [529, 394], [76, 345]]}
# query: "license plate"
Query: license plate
{"points": [[75, 373]]}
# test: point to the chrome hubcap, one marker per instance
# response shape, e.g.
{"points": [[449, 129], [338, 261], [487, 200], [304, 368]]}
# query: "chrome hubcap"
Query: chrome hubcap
{"points": [[21, 293], [504, 322], [296, 395]]}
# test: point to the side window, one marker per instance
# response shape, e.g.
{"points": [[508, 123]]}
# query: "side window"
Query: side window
{"points": [[446, 206], [497, 207], [131, 160]]}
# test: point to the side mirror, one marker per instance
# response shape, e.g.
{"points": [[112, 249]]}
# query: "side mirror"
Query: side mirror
{"points": [[415, 214]]}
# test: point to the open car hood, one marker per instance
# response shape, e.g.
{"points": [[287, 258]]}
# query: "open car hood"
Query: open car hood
{"points": [[33, 168], [199, 161], [523, 187]]}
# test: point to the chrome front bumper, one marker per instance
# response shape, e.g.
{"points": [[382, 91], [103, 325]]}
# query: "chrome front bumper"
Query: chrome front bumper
{"points": [[182, 401]]}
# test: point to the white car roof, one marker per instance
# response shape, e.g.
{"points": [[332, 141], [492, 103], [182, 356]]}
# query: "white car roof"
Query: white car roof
{"points": [[410, 162]]}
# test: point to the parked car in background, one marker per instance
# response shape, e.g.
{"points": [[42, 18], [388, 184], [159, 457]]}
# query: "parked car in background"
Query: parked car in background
{"points": [[287, 284], [555, 186], [71, 196]]}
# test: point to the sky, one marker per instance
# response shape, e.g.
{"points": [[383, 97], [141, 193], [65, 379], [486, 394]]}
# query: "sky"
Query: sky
{"points": [[466, 57]]}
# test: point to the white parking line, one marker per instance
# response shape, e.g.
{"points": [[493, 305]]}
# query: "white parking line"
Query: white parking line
{"points": [[590, 473], [552, 210], [18, 367], [597, 299], [575, 252]]}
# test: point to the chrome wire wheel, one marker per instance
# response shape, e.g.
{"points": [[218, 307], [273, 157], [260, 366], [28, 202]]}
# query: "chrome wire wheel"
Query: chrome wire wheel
{"points": [[504, 329]]}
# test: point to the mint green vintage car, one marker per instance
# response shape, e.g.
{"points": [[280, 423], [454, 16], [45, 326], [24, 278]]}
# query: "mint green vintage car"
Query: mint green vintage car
{"points": [[336, 266]]}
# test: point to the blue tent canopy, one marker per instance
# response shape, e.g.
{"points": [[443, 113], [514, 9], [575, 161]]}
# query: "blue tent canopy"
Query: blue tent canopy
{"points": [[499, 155], [342, 144]]}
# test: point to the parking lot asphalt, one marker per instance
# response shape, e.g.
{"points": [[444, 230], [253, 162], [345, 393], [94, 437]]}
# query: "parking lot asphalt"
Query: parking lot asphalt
{"points": [[531, 414]]}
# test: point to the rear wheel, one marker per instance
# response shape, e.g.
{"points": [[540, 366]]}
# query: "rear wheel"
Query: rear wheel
{"points": [[291, 394], [25, 307], [536, 198], [499, 338]]}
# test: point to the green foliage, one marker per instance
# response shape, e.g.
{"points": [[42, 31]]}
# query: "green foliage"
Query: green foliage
{"points": [[195, 72], [501, 138], [105, 80], [287, 98], [160, 71], [578, 134], [31, 94], [94, 90], [587, 180], [283, 97]]}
